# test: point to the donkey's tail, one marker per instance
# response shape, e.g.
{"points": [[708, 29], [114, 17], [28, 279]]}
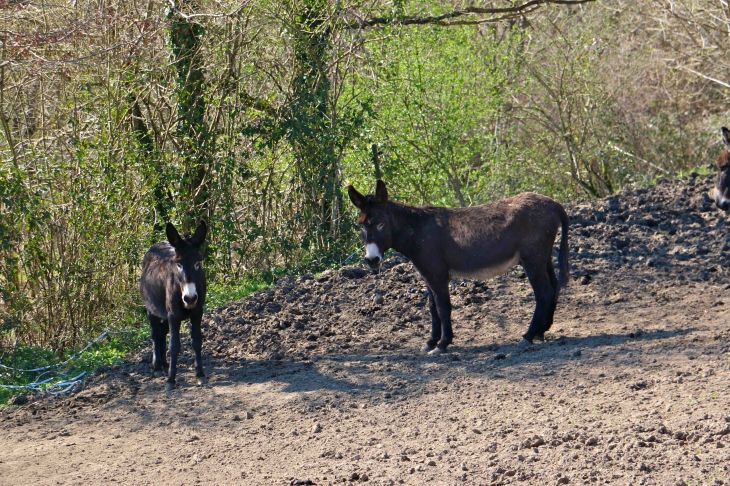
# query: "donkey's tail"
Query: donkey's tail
{"points": [[563, 263]]}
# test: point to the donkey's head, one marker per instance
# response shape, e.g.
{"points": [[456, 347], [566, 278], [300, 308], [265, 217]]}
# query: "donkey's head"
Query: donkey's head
{"points": [[374, 221], [722, 186], [187, 264]]}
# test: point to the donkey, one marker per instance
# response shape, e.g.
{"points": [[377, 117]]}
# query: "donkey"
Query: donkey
{"points": [[474, 242], [722, 186], [173, 289]]}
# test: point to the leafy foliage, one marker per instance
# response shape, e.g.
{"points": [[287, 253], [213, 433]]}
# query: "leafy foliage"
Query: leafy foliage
{"points": [[440, 96]]}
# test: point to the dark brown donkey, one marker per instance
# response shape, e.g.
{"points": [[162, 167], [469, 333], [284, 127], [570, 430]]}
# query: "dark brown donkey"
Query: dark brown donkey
{"points": [[722, 186], [476, 242], [173, 289]]}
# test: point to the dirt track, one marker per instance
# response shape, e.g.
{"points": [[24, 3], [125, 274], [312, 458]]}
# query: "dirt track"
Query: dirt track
{"points": [[321, 379]]}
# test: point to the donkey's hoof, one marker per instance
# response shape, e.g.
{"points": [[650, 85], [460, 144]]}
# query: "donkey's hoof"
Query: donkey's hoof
{"points": [[169, 387], [202, 380], [159, 374], [524, 343], [426, 348], [436, 352]]}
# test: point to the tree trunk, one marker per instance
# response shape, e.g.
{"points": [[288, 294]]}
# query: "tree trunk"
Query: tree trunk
{"points": [[311, 131], [196, 140]]}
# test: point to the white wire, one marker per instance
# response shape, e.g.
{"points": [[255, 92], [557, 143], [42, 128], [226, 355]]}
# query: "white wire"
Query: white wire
{"points": [[36, 385], [68, 384], [43, 368]]}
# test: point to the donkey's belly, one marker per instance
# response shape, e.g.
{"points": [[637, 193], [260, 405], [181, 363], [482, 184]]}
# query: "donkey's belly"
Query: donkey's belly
{"points": [[153, 298], [486, 272], [156, 309]]}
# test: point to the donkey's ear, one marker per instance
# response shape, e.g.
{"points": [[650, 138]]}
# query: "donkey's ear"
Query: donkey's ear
{"points": [[381, 193], [725, 136], [172, 235], [357, 199], [200, 232]]}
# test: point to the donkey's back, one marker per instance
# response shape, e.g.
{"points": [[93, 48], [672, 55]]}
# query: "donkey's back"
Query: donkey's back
{"points": [[485, 241], [156, 268], [511, 219]]}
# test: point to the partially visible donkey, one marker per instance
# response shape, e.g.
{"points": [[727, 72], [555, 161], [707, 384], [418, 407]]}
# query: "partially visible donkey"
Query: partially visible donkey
{"points": [[173, 289], [722, 186]]}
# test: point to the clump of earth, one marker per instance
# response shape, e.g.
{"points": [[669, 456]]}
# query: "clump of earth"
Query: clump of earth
{"points": [[319, 379]]}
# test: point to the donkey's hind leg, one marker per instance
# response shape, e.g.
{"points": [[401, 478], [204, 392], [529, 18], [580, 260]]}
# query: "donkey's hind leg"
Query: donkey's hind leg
{"points": [[158, 330], [553, 303], [544, 299]]}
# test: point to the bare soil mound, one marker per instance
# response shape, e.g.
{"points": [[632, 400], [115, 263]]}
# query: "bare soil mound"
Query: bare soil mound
{"points": [[318, 380]]}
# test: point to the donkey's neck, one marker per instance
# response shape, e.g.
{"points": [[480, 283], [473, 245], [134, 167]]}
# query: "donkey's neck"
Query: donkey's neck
{"points": [[405, 223]]}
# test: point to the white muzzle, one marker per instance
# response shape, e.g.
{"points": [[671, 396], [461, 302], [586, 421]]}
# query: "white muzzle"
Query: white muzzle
{"points": [[372, 251], [189, 295]]}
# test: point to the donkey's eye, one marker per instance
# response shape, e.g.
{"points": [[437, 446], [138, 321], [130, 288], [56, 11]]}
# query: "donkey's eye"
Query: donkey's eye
{"points": [[197, 265], [381, 226], [179, 267]]}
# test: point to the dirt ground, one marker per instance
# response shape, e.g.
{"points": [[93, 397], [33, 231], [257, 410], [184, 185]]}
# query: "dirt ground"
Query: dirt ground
{"points": [[320, 380]]}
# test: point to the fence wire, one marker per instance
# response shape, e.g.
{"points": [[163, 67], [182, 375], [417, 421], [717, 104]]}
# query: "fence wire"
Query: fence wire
{"points": [[61, 386]]}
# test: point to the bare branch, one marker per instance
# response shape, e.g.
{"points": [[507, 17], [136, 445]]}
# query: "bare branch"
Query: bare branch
{"points": [[704, 76], [443, 19], [622, 151], [232, 13]]}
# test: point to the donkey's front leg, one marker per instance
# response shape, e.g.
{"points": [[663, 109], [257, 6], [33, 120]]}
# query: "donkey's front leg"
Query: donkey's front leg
{"points": [[158, 330], [174, 350], [196, 337], [443, 307], [435, 324]]}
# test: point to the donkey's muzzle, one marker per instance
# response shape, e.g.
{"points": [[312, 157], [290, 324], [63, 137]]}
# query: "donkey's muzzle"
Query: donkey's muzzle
{"points": [[721, 201], [190, 300], [374, 262]]}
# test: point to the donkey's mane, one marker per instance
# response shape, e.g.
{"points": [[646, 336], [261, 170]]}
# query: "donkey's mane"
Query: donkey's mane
{"points": [[414, 210], [188, 238]]}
